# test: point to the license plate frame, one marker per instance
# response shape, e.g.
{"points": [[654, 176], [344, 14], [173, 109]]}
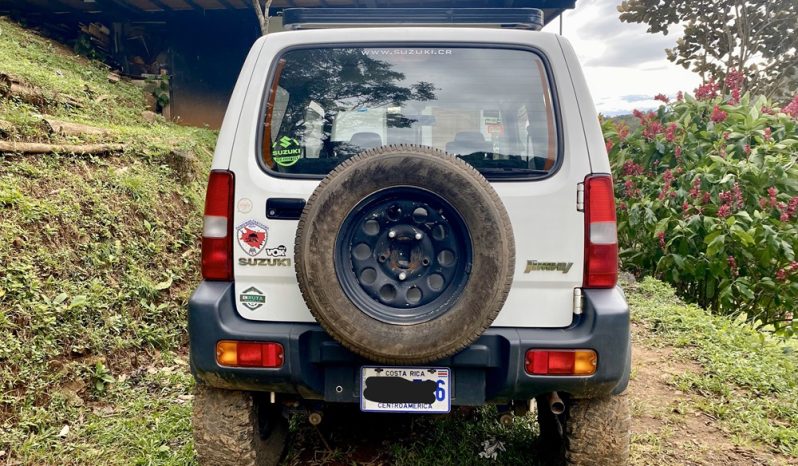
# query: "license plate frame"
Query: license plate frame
{"points": [[401, 389]]}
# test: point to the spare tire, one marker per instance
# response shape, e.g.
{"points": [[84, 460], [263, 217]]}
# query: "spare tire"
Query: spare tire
{"points": [[404, 254]]}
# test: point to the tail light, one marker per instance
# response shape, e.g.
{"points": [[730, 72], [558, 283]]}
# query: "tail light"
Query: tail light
{"points": [[249, 354], [217, 231], [560, 362], [601, 236]]}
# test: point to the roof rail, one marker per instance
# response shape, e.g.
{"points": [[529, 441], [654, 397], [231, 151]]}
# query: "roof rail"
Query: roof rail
{"points": [[321, 18]]}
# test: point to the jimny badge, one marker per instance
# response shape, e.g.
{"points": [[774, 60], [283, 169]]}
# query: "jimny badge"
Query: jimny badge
{"points": [[252, 237]]}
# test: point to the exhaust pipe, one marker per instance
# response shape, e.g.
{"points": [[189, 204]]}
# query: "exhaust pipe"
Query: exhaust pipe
{"points": [[556, 405]]}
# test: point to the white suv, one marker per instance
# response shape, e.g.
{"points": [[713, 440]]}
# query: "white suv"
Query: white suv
{"points": [[410, 219]]}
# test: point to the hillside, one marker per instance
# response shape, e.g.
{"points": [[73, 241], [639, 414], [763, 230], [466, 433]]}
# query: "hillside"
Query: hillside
{"points": [[97, 257], [98, 254]]}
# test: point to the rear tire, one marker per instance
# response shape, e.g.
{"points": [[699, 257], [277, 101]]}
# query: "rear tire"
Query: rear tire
{"points": [[234, 428], [593, 431]]}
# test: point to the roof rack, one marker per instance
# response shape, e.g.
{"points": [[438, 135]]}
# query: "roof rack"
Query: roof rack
{"points": [[321, 18]]}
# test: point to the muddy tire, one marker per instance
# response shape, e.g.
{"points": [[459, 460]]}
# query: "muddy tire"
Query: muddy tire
{"points": [[592, 432], [234, 428], [419, 223]]}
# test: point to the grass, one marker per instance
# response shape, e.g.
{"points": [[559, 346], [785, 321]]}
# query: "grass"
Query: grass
{"points": [[748, 379], [97, 258]]}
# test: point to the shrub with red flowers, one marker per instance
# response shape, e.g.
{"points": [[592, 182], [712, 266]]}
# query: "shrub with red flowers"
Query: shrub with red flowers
{"points": [[707, 191]]}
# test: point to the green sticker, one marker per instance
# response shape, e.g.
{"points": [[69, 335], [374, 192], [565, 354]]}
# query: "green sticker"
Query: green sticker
{"points": [[286, 151]]}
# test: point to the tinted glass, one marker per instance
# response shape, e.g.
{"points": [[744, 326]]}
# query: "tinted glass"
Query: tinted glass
{"points": [[491, 107]]}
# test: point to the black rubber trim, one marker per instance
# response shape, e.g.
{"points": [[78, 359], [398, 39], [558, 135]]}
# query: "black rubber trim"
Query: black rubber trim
{"points": [[491, 370], [558, 120]]}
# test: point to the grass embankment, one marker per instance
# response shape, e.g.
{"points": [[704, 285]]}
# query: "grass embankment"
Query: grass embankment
{"points": [[97, 258]]}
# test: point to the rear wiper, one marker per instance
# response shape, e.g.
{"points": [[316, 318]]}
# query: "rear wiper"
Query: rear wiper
{"points": [[512, 171]]}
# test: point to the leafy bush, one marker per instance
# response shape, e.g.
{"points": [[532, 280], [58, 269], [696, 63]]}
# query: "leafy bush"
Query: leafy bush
{"points": [[707, 191]]}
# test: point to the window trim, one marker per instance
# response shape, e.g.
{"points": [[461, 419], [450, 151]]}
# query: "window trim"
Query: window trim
{"points": [[279, 56]]}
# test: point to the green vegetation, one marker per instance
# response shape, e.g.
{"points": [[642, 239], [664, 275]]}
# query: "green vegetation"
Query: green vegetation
{"points": [[747, 379], [708, 201], [97, 257]]}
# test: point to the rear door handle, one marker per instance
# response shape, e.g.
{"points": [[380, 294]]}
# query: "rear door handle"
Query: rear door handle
{"points": [[284, 208]]}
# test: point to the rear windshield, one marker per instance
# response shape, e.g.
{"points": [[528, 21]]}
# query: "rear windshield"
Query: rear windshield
{"points": [[490, 107]]}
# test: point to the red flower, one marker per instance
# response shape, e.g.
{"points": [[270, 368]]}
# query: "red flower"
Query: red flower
{"points": [[670, 132], [792, 206], [738, 196], [781, 275], [762, 202], [725, 197], [724, 211], [735, 97], [680, 96], [667, 177], [632, 169], [608, 145], [747, 149], [706, 198], [734, 79], [707, 91], [652, 129], [733, 266], [718, 115], [768, 134], [766, 110], [661, 236], [792, 108], [629, 187], [772, 191], [685, 207], [662, 97]]}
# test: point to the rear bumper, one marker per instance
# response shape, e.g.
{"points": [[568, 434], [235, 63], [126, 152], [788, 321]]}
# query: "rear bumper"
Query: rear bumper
{"points": [[491, 370]]}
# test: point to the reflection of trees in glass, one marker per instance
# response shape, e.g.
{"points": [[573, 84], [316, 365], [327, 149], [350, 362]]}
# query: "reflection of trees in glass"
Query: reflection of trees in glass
{"points": [[342, 80]]}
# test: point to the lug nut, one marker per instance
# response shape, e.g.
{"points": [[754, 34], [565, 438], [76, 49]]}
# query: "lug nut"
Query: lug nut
{"points": [[418, 236], [402, 276], [391, 234], [315, 418]]}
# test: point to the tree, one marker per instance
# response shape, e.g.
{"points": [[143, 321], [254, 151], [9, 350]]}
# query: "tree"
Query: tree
{"points": [[261, 8], [756, 38]]}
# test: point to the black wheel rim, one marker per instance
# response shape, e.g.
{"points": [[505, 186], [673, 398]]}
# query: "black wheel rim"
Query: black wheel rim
{"points": [[403, 255]]}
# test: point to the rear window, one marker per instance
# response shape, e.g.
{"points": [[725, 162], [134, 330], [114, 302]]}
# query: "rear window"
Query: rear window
{"points": [[490, 107]]}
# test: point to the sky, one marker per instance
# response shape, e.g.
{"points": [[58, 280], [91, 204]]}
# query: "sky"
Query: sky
{"points": [[625, 66]]}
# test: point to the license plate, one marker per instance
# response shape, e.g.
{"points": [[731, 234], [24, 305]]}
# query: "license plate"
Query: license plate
{"points": [[405, 389]]}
